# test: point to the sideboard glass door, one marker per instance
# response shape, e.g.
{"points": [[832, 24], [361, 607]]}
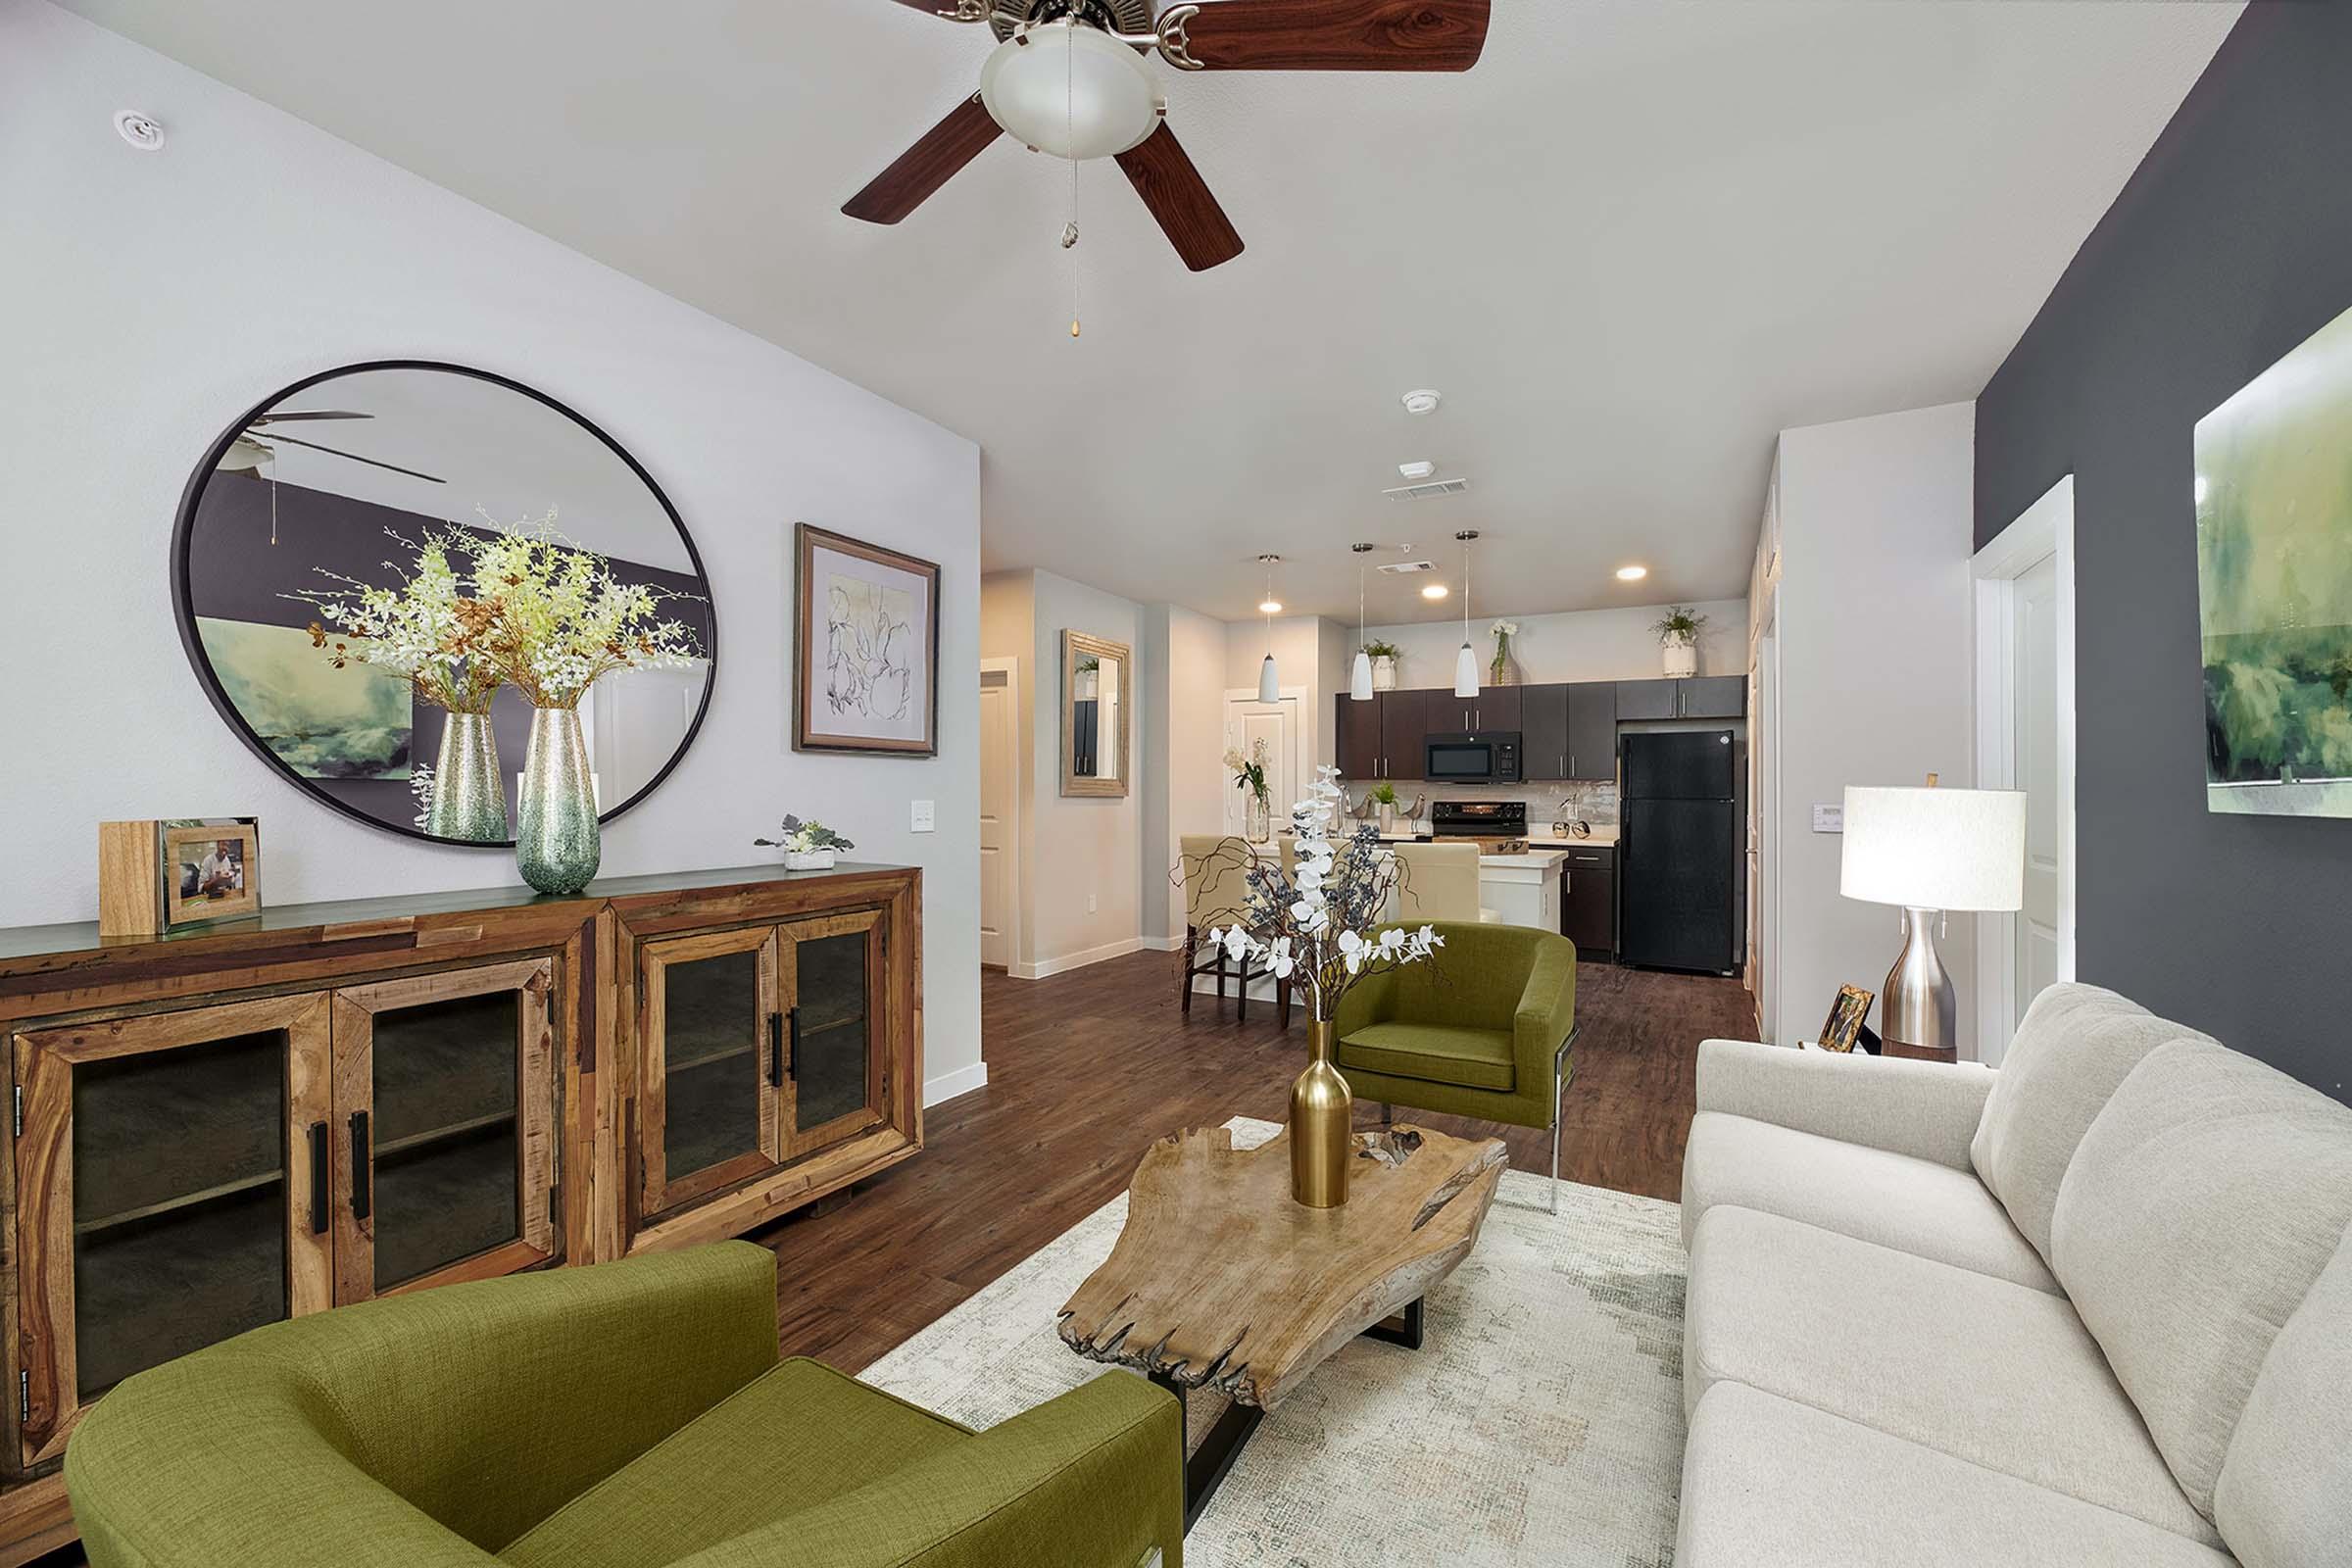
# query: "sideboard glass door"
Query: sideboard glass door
{"points": [[711, 1065], [834, 998], [172, 1192], [444, 1134]]}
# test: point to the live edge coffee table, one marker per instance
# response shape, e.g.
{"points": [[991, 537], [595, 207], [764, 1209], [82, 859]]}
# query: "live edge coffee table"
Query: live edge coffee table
{"points": [[1220, 1283]]}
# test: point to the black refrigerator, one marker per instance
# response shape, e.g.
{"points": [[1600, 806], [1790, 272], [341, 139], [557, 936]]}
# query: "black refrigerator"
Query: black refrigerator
{"points": [[1677, 850]]}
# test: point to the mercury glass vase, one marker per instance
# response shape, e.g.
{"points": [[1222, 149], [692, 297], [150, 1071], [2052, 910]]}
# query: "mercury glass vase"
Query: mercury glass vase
{"points": [[469, 801], [1322, 1135], [557, 845]]}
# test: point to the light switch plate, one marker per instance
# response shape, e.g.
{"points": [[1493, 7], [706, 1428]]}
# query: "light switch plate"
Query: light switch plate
{"points": [[1829, 819], [922, 822]]}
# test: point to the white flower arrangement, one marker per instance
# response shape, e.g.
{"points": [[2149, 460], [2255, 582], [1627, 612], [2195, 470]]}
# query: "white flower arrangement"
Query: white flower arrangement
{"points": [[1504, 630], [1311, 926], [563, 619], [427, 628]]}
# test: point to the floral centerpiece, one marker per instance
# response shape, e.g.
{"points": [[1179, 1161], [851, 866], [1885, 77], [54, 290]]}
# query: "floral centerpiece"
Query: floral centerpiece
{"points": [[1318, 928], [1249, 774], [1678, 632], [808, 846], [429, 628], [1501, 672]]}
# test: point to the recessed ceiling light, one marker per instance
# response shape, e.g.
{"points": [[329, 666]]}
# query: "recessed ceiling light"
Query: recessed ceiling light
{"points": [[1269, 607], [1422, 400], [1433, 590], [1417, 471], [1632, 574]]}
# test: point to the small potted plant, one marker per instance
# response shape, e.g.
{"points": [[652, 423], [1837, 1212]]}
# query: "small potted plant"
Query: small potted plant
{"points": [[1384, 795], [1383, 656], [1677, 635], [808, 846]]}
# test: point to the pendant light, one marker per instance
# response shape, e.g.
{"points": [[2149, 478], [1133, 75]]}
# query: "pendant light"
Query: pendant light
{"points": [[1465, 662], [1359, 684], [1270, 685]]}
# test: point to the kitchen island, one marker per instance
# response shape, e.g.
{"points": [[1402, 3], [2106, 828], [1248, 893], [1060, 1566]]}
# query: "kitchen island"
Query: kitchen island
{"points": [[1524, 889]]}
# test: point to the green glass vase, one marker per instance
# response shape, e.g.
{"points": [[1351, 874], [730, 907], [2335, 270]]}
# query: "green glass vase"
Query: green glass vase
{"points": [[556, 844]]}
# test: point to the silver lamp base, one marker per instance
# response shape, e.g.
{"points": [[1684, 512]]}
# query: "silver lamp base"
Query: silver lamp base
{"points": [[1919, 1009]]}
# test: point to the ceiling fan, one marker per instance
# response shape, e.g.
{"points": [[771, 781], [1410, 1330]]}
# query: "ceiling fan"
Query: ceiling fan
{"points": [[253, 446], [1068, 78]]}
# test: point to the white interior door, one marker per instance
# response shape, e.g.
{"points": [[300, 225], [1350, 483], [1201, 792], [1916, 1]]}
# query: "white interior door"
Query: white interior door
{"points": [[1267, 732], [2034, 658], [999, 805]]}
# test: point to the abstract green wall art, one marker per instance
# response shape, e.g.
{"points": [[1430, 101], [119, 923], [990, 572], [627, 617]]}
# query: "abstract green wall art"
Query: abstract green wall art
{"points": [[2273, 500], [355, 722]]}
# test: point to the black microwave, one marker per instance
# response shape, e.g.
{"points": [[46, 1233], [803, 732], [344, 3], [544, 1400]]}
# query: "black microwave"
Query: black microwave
{"points": [[1482, 757]]}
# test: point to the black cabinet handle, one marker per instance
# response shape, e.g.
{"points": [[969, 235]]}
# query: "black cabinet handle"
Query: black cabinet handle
{"points": [[362, 1199], [319, 1161], [776, 1049]]}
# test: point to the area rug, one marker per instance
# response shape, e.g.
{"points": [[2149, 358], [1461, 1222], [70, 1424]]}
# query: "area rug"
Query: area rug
{"points": [[1542, 1422]]}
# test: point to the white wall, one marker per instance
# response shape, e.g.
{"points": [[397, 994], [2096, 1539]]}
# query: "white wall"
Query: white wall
{"points": [[148, 298], [1876, 519], [1186, 654], [1571, 645]]}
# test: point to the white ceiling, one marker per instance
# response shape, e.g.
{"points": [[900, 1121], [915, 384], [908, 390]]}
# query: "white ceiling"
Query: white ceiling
{"points": [[1633, 243]]}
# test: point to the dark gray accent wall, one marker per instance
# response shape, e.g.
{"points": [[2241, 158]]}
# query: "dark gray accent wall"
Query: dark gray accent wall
{"points": [[2230, 245]]}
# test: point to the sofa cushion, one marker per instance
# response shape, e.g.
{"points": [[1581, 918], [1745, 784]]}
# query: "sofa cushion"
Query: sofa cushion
{"points": [[795, 1437], [2203, 1203], [1994, 1373], [2284, 1498], [1438, 1053], [1769, 1482], [2076, 1045], [1916, 1205]]}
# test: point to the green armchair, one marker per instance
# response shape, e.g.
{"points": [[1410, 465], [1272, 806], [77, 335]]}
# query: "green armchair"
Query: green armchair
{"points": [[1482, 1030], [620, 1416]]}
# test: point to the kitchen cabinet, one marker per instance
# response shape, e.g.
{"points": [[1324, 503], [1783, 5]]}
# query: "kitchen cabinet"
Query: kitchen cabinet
{"points": [[1404, 730], [1588, 911], [1593, 730], [1698, 697], [1544, 747], [1355, 733], [1496, 708]]}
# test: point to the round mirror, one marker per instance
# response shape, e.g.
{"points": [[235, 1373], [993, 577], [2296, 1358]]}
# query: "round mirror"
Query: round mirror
{"points": [[338, 483]]}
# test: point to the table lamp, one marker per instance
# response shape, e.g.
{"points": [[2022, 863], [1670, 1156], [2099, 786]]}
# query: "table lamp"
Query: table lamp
{"points": [[1930, 851]]}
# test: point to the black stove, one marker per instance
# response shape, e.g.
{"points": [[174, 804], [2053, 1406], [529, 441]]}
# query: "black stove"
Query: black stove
{"points": [[1479, 819]]}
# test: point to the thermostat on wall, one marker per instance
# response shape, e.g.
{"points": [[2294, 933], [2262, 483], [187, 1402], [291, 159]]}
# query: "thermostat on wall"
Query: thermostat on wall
{"points": [[1829, 819]]}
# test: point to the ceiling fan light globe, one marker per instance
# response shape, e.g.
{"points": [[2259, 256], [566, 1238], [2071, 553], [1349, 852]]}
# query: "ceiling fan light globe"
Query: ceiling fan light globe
{"points": [[1072, 92]]}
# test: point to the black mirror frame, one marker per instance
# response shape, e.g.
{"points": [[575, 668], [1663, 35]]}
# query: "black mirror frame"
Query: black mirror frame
{"points": [[183, 614]]}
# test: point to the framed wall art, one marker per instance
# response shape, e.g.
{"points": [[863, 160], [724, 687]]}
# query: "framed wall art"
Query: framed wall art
{"points": [[865, 651]]}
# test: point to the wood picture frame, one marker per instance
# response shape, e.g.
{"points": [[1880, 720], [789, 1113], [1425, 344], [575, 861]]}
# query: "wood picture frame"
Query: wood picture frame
{"points": [[1844, 1025], [866, 647], [1078, 647], [177, 873]]}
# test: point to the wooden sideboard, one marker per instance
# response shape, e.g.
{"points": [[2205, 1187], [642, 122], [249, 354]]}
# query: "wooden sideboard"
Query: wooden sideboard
{"points": [[328, 1103]]}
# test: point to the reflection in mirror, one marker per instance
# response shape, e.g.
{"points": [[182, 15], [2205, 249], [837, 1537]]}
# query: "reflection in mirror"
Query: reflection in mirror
{"points": [[339, 480], [1098, 689]]}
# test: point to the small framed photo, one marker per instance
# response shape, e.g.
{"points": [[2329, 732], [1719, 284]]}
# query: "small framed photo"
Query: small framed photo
{"points": [[1847, 1015], [177, 873]]}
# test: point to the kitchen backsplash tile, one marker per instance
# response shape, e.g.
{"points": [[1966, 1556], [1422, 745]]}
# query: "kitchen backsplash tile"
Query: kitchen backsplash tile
{"points": [[1595, 803]]}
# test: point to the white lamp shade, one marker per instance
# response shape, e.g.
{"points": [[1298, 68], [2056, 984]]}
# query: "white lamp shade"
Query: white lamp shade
{"points": [[1359, 683], [1072, 92], [1465, 672], [1935, 849], [1269, 687]]}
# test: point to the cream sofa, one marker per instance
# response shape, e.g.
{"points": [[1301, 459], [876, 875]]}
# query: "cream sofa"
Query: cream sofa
{"points": [[2093, 1308]]}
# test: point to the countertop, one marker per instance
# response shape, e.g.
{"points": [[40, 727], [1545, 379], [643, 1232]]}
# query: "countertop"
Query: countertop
{"points": [[1604, 838], [1536, 858]]}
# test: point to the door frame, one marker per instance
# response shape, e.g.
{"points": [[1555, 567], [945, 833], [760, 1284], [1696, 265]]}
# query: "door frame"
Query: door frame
{"points": [[1010, 669], [2044, 531], [46, 1348]]}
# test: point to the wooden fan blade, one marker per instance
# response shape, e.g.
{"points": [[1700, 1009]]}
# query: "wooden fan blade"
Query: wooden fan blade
{"points": [[1327, 35], [318, 414], [951, 10], [927, 165], [354, 457], [1164, 177]]}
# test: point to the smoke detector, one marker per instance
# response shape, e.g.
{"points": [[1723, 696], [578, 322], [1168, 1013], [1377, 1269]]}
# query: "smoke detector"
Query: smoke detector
{"points": [[141, 130], [1422, 400]]}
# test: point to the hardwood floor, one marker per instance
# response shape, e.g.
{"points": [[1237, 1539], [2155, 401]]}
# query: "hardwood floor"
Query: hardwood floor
{"points": [[1088, 1068]]}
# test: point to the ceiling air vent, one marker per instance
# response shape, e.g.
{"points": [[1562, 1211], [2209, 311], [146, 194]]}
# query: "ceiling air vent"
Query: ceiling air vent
{"points": [[1424, 492], [1408, 568]]}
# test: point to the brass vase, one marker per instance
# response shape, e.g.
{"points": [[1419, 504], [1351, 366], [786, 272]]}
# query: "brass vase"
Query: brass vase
{"points": [[1321, 1135], [557, 845], [469, 801]]}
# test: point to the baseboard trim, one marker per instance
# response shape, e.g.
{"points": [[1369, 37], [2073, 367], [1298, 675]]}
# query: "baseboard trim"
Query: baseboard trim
{"points": [[1067, 961], [948, 1084], [1161, 943]]}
